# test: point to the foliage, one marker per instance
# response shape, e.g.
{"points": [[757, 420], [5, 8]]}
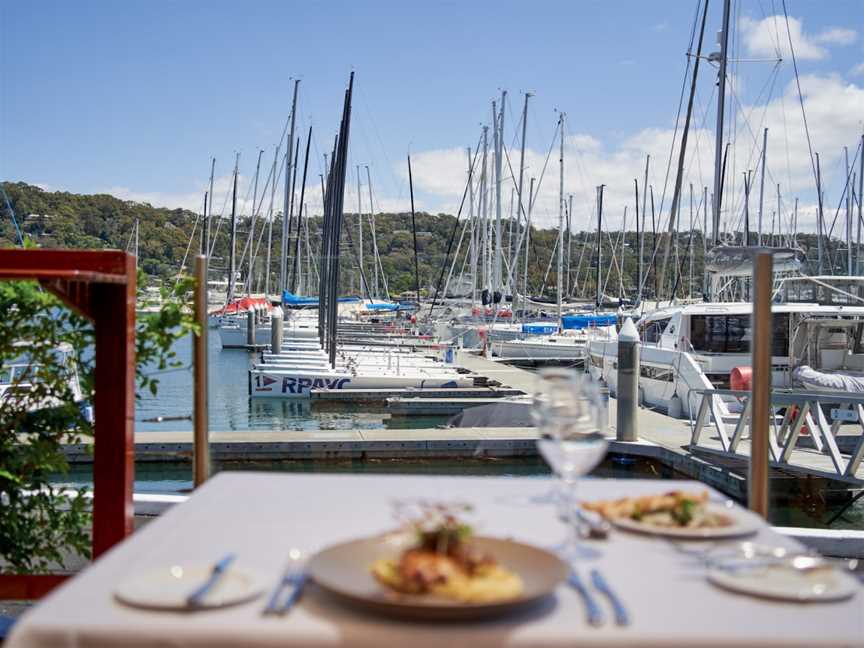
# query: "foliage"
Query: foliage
{"points": [[61, 219], [41, 411]]}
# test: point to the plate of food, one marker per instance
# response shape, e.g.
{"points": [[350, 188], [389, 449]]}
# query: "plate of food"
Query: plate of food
{"points": [[676, 514], [436, 568]]}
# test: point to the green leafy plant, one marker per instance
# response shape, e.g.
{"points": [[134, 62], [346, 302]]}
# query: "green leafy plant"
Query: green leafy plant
{"points": [[46, 366]]}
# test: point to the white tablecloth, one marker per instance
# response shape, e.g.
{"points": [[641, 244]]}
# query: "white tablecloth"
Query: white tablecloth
{"points": [[260, 516]]}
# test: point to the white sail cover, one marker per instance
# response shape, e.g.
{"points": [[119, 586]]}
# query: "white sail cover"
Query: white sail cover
{"points": [[812, 379], [736, 261]]}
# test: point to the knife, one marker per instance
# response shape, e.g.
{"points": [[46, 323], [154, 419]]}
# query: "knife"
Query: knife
{"points": [[196, 598], [595, 614], [618, 609]]}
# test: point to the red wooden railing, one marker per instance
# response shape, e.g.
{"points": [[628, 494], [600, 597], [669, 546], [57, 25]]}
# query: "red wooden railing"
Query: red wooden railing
{"points": [[100, 285]]}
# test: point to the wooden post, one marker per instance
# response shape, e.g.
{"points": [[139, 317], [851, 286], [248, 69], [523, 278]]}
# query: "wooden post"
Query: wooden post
{"points": [[114, 409], [201, 451], [760, 395]]}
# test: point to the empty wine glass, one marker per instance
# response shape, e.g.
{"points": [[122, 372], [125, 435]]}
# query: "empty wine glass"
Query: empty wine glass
{"points": [[569, 412]]}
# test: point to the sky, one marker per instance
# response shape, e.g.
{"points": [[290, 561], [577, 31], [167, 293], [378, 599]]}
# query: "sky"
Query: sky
{"points": [[134, 98]]}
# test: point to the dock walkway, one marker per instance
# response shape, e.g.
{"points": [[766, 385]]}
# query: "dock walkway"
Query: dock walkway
{"points": [[661, 438]]}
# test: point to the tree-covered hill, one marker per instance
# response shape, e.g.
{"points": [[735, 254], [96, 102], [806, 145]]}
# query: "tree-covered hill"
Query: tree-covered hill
{"points": [[68, 220]]}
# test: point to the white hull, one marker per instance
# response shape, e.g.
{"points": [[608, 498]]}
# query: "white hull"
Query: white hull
{"points": [[264, 383]]}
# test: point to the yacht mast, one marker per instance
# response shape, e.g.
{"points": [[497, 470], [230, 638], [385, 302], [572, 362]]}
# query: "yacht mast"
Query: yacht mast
{"points": [[208, 211], [599, 297], [231, 251], [289, 157], [520, 212], [484, 215], [270, 223], [498, 138], [374, 233], [718, 133], [561, 223], [762, 185], [473, 233], [252, 225]]}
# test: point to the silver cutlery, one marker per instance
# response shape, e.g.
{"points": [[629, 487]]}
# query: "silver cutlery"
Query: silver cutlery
{"points": [[622, 618], [595, 614], [196, 598], [294, 577]]}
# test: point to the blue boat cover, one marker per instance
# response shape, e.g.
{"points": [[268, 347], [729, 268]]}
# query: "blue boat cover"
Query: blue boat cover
{"points": [[586, 321], [381, 306], [291, 300]]}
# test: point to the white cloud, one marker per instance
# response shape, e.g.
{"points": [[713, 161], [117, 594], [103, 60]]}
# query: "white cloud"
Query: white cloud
{"points": [[858, 70], [837, 36], [834, 111], [769, 38]]}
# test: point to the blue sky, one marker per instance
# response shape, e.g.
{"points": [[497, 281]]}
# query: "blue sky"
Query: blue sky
{"points": [[135, 97]]}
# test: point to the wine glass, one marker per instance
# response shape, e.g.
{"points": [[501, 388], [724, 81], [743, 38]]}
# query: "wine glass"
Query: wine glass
{"points": [[570, 415]]}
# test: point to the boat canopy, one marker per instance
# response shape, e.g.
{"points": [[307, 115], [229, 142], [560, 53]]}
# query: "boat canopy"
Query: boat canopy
{"points": [[382, 306], [291, 300], [539, 329], [588, 321]]}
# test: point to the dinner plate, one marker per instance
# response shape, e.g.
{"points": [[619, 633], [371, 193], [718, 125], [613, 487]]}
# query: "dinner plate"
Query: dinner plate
{"points": [[741, 523], [781, 582], [167, 588], [343, 570]]}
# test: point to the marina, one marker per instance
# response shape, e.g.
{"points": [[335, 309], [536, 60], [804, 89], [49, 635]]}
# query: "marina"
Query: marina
{"points": [[422, 355]]}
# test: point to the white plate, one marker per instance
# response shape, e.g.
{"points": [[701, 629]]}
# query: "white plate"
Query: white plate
{"points": [[741, 523], [784, 583], [168, 588]]}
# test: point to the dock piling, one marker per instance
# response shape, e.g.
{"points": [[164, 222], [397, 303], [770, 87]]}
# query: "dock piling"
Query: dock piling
{"points": [[250, 328], [627, 421], [201, 447], [276, 330], [761, 386]]}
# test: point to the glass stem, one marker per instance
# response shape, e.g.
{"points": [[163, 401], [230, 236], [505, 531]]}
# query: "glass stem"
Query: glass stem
{"points": [[572, 520]]}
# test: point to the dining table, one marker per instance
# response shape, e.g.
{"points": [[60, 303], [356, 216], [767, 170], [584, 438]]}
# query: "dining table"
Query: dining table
{"points": [[263, 516]]}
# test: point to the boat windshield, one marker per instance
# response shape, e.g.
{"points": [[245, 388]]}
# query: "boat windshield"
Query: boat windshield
{"points": [[721, 333]]}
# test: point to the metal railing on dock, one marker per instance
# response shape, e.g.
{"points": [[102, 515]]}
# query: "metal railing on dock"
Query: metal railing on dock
{"points": [[794, 416]]}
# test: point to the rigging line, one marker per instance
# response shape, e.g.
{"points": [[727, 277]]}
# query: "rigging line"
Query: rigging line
{"points": [[800, 94], [455, 227], [12, 214], [680, 104], [845, 188]]}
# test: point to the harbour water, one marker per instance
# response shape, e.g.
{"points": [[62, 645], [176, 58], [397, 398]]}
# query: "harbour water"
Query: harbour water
{"points": [[231, 409], [795, 503]]}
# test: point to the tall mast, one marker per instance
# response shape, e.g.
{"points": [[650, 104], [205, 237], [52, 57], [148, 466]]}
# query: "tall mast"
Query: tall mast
{"points": [[363, 288], [374, 231], [527, 241], [762, 183], [561, 223], [270, 223], [499, 154], [599, 297], [848, 214], [675, 211], [638, 249], [718, 133], [569, 232], [819, 221], [860, 207], [642, 237], [208, 211], [231, 250], [414, 232], [520, 212], [487, 265], [297, 266], [252, 225], [289, 157], [473, 233]]}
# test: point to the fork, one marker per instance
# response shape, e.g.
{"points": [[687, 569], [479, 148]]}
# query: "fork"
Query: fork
{"points": [[595, 614], [294, 575]]}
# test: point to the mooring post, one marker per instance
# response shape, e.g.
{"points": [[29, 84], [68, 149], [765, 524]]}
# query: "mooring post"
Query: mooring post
{"points": [[250, 327], [276, 330], [760, 389], [627, 422], [201, 446]]}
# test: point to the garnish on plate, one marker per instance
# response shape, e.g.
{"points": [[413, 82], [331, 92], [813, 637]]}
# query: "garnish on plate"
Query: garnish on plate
{"points": [[442, 560], [673, 509]]}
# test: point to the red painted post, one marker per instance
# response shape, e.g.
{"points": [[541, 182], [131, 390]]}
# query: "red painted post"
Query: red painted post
{"points": [[114, 409]]}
